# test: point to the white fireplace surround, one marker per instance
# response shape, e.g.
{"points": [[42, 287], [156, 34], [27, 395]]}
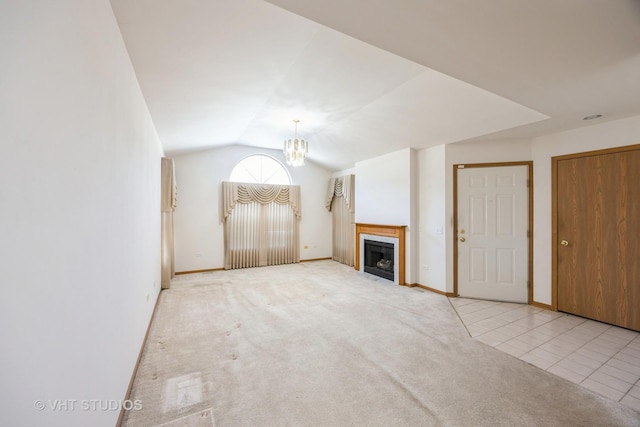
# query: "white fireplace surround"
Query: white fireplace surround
{"points": [[396, 254]]}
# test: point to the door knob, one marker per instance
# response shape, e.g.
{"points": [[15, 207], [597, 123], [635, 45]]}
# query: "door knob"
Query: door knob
{"points": [[462, 239], [564, 243]]}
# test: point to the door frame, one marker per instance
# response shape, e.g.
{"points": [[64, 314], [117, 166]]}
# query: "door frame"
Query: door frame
{"points": [[554, 208], [529, 164]]}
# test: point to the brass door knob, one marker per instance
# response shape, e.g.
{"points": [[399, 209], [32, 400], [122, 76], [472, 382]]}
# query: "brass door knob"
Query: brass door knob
{"points": [[462, 239], [564, 243]]}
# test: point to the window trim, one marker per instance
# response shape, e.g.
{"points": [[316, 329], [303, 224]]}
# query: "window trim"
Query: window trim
{"points": [[262, 155]]}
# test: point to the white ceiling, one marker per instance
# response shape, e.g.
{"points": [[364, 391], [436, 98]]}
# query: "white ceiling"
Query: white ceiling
{"points": [[368, 77]]}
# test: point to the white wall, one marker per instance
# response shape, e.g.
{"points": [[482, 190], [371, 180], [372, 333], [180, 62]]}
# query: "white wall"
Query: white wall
{"points": [[599, 136], [433, 254], [386, 194], [432, 222], [383, 193], [199, 236], [540, 150], [80, 217], [413, 231], [350, 171]]}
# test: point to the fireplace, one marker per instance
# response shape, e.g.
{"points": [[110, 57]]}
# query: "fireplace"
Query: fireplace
{"points": [[390, 241], [379, 259]]}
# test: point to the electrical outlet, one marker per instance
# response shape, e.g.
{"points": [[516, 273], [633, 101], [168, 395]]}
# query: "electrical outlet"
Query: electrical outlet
{"points": [[198, 255], [425, 267]]}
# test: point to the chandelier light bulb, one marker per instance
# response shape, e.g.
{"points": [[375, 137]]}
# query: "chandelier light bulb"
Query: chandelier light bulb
{"points": [[296, 149]]}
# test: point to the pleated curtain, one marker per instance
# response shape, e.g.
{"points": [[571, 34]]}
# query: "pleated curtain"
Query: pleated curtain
{"points": [[261, 224], [341, 202], [167, 206]]}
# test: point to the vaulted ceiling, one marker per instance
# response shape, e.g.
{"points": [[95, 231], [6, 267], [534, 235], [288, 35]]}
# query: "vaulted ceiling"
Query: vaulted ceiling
{"points": [[368, 77]]}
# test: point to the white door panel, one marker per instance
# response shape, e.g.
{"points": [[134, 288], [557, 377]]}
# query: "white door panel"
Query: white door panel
{"points": [[506, 266], [477, 216], [492, 233], [505, 212], [478, 265]]}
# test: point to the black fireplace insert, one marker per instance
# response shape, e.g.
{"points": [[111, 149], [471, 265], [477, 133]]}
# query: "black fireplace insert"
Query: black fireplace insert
{"points": [[379, 259]]}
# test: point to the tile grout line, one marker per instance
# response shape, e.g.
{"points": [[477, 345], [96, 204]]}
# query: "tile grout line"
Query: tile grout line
{"points": [[601, 363], [550, 339], [610, 358], [458, 314], [582, 346], [636, 384], [533, 314], [543, 343], [510, 321]]}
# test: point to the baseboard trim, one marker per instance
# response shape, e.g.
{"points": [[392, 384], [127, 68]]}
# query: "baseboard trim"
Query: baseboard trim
{"points": [[427, 288], [208, 270], [541, 305], [178, 273], [137, 365], [452, 295]]}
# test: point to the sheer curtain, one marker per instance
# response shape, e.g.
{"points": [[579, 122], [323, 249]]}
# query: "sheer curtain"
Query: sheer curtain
{"points": [[340, 201], [168, 205], [261, 224]]}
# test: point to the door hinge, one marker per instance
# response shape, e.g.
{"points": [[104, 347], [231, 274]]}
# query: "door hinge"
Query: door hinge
{"points": [[528, 233], [528, 285], [528, 183]]}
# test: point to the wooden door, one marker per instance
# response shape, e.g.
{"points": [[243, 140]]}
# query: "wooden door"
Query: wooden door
{"points": [[492, 227], [598, 236]]}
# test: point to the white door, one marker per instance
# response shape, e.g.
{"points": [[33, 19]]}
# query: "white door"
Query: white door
{"points": [[492, 233]]}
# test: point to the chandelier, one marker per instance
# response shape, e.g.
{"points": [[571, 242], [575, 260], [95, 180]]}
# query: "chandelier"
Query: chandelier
{"points": [[296, 150]]}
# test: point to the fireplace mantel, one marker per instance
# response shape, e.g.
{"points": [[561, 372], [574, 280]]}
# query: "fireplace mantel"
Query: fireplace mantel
{"points": [[397, 231]]}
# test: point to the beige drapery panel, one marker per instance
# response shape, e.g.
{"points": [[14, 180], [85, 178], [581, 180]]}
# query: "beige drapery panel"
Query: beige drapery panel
{"points": [[342, 186], [341, 203], [167, 206], [261, 224]]}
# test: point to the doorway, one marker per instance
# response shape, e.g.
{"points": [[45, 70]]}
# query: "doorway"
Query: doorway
{"points": [[493, 212], [596, 235]]}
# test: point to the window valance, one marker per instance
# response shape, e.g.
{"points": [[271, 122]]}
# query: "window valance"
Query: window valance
{"points": [[342, 186], [238, 192]]}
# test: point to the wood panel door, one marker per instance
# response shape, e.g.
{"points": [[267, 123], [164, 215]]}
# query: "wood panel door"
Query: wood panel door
{"points": [[598, 236]]}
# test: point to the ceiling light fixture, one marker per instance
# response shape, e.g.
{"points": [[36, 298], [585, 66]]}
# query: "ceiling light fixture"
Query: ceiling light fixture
{"points": [[296, 150]]}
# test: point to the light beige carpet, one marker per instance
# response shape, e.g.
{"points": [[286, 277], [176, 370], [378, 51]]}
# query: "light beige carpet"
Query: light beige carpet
{"points": [[319, 344]]}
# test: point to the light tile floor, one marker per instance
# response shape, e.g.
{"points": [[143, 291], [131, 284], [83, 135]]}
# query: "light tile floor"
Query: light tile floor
{"points": [[597, 356]]}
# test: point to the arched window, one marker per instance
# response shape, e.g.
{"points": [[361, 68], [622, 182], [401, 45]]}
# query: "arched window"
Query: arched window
{"points": [[260, 169]]}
